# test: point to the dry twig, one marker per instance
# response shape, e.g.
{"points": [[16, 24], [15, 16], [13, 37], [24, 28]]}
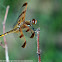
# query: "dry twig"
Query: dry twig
{"points": [[38, 49], [5, 46]]}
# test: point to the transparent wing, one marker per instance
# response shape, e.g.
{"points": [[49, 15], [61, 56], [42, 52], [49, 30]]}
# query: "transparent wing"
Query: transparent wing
{"points": [[21, 17]]}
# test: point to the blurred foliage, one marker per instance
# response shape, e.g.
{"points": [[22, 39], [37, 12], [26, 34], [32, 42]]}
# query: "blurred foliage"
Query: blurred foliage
{"points": [[49, 16]]}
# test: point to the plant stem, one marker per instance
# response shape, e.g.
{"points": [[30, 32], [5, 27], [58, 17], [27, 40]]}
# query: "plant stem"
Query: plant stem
{"points": [[6, 48], [38, 49]]}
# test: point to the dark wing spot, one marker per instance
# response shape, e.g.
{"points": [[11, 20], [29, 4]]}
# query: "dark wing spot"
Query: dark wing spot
{"points": [[21, 36], [23, 46], [32, 35], [22, 13], [24, 4]]}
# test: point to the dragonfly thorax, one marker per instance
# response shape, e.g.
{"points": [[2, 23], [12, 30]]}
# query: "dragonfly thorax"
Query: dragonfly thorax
{"points": [[20, 24]]}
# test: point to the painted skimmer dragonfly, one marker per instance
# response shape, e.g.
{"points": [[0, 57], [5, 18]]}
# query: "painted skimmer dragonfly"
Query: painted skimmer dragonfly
{"points": [[21, 25]]}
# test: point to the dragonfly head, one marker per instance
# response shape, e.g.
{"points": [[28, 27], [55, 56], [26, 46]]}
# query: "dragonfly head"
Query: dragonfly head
{"points": [[34, 21]]}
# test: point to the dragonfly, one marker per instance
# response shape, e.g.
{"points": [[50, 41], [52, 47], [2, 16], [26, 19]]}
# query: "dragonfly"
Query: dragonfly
{"points": [[23, 24]]}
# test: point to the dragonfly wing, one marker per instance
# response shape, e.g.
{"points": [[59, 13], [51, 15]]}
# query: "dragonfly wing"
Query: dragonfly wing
{"points": [[21, 17], [28, 30], [22, 35]]}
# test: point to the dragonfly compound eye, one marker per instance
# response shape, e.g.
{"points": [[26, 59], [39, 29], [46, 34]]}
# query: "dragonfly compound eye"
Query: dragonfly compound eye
{"points": [[34, 21]]}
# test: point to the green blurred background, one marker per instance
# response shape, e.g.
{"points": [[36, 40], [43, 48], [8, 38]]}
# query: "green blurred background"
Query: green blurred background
{"points": [[49, 16]]}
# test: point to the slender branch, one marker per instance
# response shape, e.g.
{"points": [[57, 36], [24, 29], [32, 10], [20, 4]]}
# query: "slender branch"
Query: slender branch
{"points": [[2, 45], [38, 49], [6, 48]]}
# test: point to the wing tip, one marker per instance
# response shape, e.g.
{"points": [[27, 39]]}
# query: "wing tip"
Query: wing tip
{"points": [[21, 36], [24, 4], [24, 45], [33, 34]]}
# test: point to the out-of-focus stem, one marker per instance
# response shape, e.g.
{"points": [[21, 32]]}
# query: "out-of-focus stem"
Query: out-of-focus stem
{"points": [[6, 48], [38, 49]]}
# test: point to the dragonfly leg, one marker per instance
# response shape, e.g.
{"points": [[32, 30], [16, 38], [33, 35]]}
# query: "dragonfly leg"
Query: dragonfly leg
{"points": [[24, 44], [33, 33]]}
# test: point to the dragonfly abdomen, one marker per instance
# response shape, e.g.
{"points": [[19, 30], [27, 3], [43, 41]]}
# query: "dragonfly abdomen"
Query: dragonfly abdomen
{"points": [[3, 34], [11, 31]]}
